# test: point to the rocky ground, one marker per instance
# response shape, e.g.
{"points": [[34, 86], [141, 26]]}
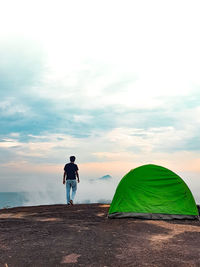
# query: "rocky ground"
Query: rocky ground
{"points": [[82, 235]]}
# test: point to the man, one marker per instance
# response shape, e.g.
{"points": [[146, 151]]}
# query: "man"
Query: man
{"points": [[71, 172]]}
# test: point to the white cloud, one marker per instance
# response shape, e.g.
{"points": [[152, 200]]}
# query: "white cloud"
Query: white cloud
{"points": [[44, 148], [14, 134], [11, 107], [132, 37], [9, 143], [82, 118]]}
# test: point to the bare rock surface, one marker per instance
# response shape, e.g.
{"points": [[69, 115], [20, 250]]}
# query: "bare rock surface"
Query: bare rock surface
{"points": [[82, 235]]}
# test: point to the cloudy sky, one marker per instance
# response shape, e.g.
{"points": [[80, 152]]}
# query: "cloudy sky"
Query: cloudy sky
{"points": [[115, 83]]}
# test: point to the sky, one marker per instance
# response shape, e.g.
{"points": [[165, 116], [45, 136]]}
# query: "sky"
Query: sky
{"points": [[115, 83]]}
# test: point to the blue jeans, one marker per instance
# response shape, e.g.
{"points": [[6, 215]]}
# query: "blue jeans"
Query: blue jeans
{"points": [[71, 184]]}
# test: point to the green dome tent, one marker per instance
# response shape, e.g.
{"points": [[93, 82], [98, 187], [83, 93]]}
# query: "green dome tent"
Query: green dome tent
{"points": [[153, 192]]}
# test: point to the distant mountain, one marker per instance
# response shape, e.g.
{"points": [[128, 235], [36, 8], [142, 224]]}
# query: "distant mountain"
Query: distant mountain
{"points": [[105, 177]]}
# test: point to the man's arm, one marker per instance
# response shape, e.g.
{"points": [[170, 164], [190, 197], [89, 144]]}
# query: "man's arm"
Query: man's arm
{"points": [[64, 177], [77, 177]]}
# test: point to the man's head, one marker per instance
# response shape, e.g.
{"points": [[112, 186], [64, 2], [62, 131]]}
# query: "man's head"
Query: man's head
{"points": [[72, 159]]}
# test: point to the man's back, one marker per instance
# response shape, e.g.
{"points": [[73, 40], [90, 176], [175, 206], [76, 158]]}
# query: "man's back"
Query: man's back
{"points": [[70, 169]]}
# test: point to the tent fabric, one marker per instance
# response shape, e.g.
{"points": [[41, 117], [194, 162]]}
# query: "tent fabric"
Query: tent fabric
{"points": [[153, 192]]}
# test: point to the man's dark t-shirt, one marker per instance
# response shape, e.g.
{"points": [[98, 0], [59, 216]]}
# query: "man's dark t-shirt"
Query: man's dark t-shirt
{"points": [[70, 169]]}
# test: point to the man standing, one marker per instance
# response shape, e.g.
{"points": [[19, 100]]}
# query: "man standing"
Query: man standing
{"points": [[71, 172]]}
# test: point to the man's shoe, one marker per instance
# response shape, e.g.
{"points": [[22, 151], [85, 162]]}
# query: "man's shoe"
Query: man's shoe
{"points": [[71, 202]]}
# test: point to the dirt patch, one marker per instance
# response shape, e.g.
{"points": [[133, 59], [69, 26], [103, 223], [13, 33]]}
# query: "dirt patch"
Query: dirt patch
{"points": [[82, 235], [72, 258]]}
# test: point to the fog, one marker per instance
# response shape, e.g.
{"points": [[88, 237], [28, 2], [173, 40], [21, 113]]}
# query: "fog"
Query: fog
{"points": [[192, 181], [54, 192], [41, 189], [51, 191]]}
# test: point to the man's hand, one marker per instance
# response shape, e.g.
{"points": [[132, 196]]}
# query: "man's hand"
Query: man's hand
{"points": [[64, 177], [78, 181]]}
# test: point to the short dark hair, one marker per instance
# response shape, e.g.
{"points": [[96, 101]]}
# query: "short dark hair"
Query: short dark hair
{"points": [[72, 158]]}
